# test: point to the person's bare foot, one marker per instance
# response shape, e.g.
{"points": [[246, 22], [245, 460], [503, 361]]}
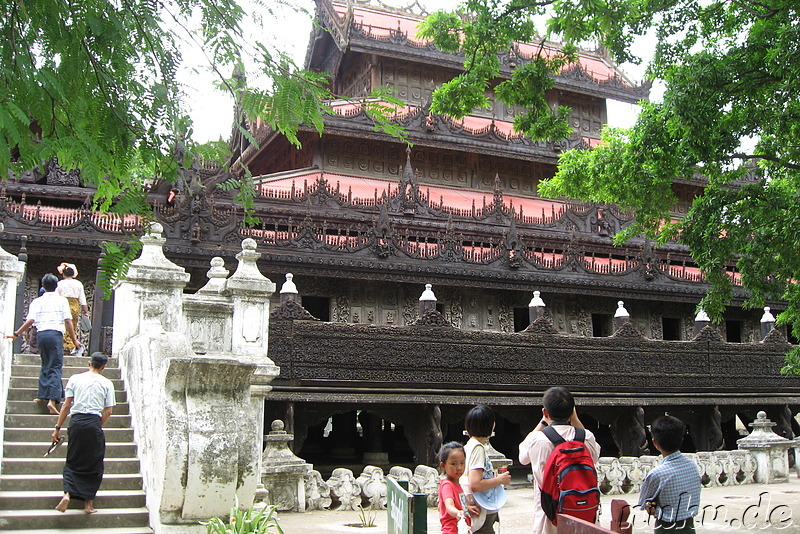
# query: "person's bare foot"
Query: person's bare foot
{"points": [[52, 407], [62, 505], [89, 508], [37, 400]]}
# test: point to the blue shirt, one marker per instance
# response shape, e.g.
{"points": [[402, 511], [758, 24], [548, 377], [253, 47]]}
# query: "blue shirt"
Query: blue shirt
{"points": [[675, 486]]}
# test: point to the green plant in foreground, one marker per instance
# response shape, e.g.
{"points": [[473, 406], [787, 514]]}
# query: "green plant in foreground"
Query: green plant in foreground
{"points": [[367, 516], [248, 521]]}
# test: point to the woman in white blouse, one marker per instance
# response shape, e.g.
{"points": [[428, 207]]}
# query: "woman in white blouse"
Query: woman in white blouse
{"points": [[73, 290]]}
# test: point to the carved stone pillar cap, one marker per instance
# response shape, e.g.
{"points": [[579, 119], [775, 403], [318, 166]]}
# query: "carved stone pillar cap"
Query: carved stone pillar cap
{"points": [[702, 317], [428, 294], [536, 301], [621, 311], [762, 436], [767, 317], [288, 286], [3, 253]]}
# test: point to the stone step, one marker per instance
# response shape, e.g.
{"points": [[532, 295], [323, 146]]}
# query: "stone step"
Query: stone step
{"points": [[29, 407], [73, 518], [54, 482], [32, 382], [67, 371], [51, 466], [29, 393], [123, 530], [32, 500], [49, 421], [42, 435], [36, 449], [71, 361]]}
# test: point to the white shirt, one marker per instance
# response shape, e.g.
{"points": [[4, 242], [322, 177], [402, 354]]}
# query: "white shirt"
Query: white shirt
{"points": [[72, 289], [90, 392], [49, 312], [535, 450]]}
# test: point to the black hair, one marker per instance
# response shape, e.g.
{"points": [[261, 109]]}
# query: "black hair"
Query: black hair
{"points": [[668, 431], [99, 360], [559, 403], [479, 421], [49, 282], [68, 271], [447, 449]]}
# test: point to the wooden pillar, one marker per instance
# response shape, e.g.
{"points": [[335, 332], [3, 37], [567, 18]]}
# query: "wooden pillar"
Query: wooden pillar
{"points": [[98, 308], [705, 428], [629, 433]]}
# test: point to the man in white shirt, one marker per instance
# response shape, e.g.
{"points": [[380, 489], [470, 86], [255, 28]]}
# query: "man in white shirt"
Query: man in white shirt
{"points": [[89, 402], [51, 315], [559, 412]]}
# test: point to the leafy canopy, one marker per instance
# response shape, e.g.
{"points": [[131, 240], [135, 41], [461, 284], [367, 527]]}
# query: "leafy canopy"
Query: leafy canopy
{"points": [[731, 71], [92, 83]]}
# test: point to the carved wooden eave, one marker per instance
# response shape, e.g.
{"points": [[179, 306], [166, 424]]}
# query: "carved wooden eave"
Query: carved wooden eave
{"points": [[290, 311], [708, 334], [432, 318], [775, 337], [511, 368]]}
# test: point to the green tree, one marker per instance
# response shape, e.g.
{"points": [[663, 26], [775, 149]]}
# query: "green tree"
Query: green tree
{"points": [[731, 71], [93, 83]]}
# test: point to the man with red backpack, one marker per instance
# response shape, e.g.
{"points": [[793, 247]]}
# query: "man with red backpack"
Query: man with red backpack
{"points": [[571, 460]]}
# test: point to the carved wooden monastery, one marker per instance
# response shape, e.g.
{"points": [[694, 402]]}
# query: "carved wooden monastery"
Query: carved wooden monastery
{"points": [[364, 224]]}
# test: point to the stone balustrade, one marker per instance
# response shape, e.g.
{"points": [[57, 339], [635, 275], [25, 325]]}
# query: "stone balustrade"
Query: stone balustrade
{"points": [[616, 476]]}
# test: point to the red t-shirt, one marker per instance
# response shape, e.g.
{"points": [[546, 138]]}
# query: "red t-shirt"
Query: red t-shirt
{"points": [[449, 490]]}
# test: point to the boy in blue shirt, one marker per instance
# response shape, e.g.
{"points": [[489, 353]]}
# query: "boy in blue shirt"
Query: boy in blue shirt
{"points": [[671, 491]]}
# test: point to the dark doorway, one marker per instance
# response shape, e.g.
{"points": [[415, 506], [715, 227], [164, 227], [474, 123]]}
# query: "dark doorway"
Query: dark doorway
{"points": [[521, 319], [601, 324], [671, 328], [319, 307], [733, 331]]}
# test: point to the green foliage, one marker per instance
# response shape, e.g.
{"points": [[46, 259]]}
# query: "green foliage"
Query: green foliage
{"points": [[483, 30], [367, 516], [115, 264], [248, 521], [732, 71]]}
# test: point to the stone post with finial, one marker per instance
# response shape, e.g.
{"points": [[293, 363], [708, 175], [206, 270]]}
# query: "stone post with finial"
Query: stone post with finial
{"points": [[701, 320], [283, 474], [767, 322], [427, 301], [536, 307], [621, 316], [20, 288], [151, 277], [289, 290], [251, 291], [769, 449]]}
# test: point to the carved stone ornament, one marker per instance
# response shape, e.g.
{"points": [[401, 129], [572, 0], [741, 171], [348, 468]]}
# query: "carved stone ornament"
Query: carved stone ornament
{"points": [[628, 330], [431, 318], [776, 337], [542, 325], [318, 494], [346, 493], [291, 311], [708, 333]]}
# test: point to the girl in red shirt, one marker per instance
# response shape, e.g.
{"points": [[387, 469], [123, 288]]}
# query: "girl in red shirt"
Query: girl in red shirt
{"points": [[452, 461]]}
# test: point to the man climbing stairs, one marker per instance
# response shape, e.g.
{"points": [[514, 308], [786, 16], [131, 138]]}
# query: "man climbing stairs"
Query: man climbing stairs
{"points": [[30, 485]]}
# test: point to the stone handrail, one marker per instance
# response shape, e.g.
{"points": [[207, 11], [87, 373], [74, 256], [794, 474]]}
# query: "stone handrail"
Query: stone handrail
{"points": [[616, 476]]}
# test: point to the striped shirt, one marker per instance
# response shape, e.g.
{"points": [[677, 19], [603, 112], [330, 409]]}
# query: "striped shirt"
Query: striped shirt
{"points": [[49, 312], [675, 486]]}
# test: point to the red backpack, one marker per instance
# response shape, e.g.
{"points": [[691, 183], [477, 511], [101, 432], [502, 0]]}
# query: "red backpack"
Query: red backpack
{"points": [[569, 481]]}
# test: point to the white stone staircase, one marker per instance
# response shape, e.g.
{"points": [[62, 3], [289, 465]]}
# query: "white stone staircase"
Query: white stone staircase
{"points": [[31, 486]]}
